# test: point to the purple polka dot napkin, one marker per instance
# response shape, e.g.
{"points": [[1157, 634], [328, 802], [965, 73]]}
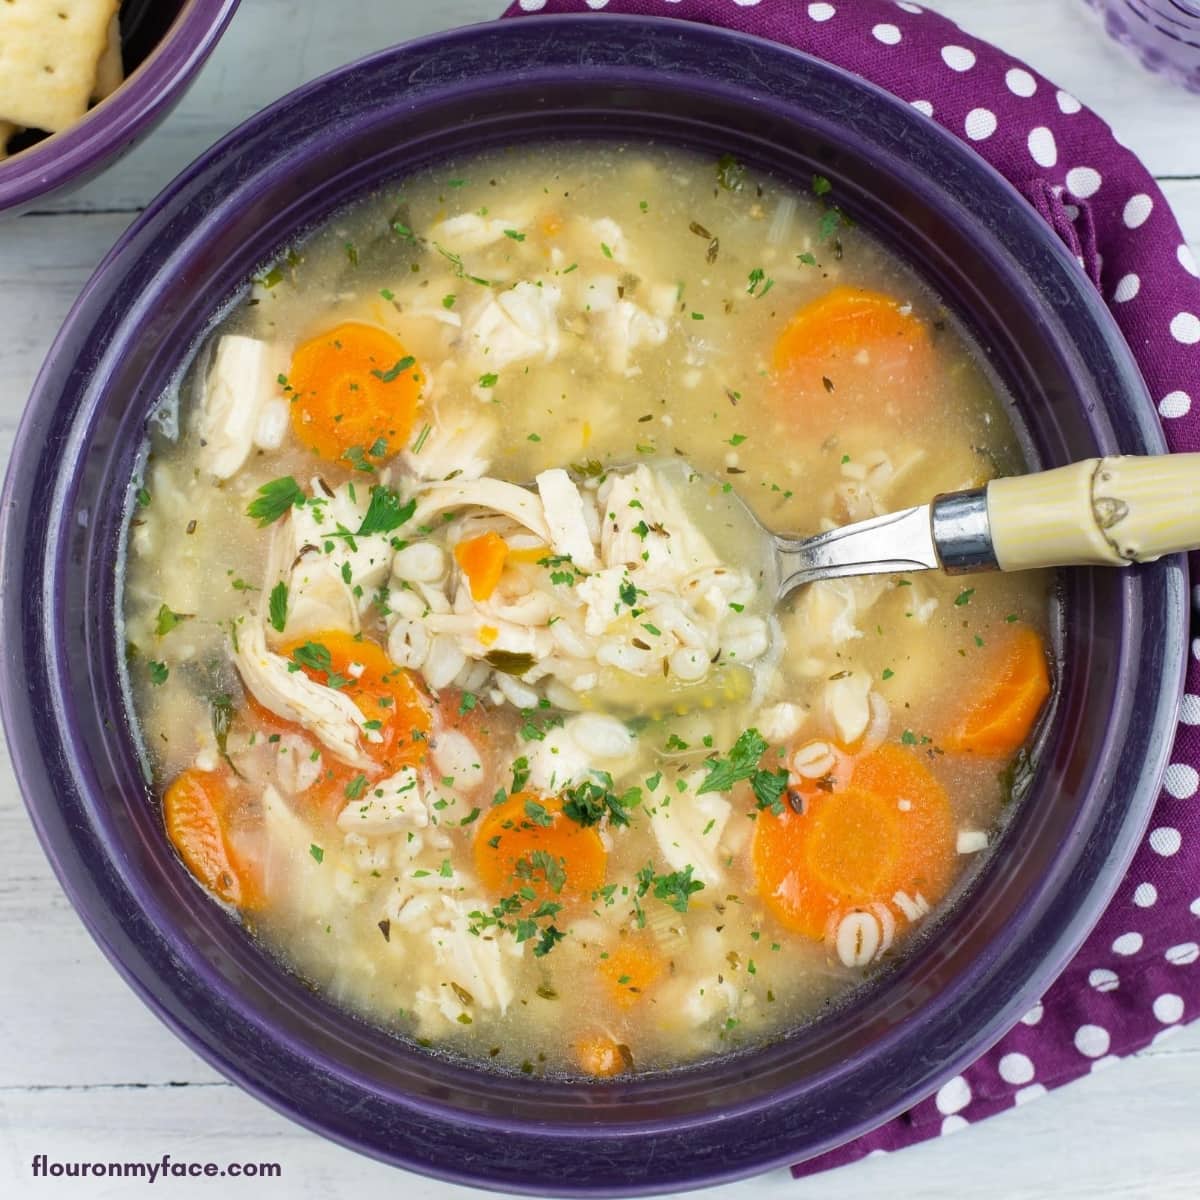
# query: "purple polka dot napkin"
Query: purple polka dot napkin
{"points": [[1137, 978]]}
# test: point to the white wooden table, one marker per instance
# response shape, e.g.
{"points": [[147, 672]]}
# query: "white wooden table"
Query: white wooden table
{"points": [[87, 1073]]}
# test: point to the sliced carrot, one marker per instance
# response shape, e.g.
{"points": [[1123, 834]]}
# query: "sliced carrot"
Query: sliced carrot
{"points": [[355, 391], [397, 712], [1000, 718], [527, 841], [601, 1056], [891, 829], [851, 341], [482, 561], [197, 809], [632, 970]]}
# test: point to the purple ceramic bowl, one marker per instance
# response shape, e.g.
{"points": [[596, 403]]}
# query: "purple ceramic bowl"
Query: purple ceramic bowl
{"points": [[163, 52], [1077, 393]]}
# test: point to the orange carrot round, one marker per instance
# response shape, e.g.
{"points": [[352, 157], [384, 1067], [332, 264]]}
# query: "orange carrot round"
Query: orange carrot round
{"points": [[482, 561], [890, 830], [387, 695], [527, 841], [196, 811], [632, 970], [849, 341], [601, 1056], [355, 391], [998, 721]]}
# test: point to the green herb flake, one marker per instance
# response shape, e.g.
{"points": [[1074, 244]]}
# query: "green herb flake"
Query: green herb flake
{"points": [[274, 499], [168, 620], [277, 606], [158, 672], [386, 511], [317, 853], [394, 372]]}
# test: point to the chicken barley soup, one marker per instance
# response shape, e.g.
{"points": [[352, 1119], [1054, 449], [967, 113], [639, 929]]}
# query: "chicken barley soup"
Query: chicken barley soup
{"points": [[455, 669]]}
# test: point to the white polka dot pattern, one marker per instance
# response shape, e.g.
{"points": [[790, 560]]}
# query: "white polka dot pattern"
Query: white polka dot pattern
{"points": [[886, 33], [1042, 147], [953, 1096], [821, 12], [1165, 841], [980, 124], [1016, 1068], [1092, 1041], [1175, 404], [1020, 82], [1104, 980], [1180, 781], [1126, 289], [1185, 328], [1083, 181], [1145, 895], [1137, 209], [1168, 1008], [958, 58], [1067, 104], [1128, 943], [1187, 260], [1182, 955]]}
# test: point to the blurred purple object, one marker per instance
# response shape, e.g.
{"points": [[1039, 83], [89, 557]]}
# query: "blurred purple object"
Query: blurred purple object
{"points": [[1164, 34]]}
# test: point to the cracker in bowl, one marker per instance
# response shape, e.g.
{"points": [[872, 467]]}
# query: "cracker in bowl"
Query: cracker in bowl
{"points": [[50, 51]]}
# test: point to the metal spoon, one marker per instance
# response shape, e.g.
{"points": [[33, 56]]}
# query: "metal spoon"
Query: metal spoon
{"points": [[1100, 512]]}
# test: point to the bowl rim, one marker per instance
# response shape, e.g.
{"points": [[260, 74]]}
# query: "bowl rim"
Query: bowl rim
{"points": [[28, 758], [122, 118]]}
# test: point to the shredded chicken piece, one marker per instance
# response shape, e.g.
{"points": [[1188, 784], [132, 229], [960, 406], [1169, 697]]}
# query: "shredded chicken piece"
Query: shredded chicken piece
{"points": [[329, 715], [243, 379]]}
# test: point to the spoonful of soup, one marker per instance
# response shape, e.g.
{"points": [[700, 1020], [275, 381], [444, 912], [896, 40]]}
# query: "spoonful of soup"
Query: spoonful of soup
{"points": [[1099, 512]]}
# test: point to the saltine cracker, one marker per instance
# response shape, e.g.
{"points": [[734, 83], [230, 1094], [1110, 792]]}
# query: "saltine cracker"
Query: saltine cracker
{"points": [[49, 53]]}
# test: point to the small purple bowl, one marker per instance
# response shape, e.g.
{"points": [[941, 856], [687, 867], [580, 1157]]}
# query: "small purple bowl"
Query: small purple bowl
{"points": [[1121, 645], [163, 49]]}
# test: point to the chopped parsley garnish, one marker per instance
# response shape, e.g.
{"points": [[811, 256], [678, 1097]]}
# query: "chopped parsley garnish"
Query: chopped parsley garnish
{"points": [[821, 186], [317, 853], [142, 497], [731, 174], [742, 763], [274, 499], [466, 702], [520, 773], [489, 380], [158, 672], [769, 787], [758, 284], [394, 372], [386, 511], [674, 890], [536, 812], [587, 803], [356, 787], [221, 713], [168, 620], [964, 597], [606, 250], [737, 439], [314, 656], [808, 259], [278, 605], [514, 234]]}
